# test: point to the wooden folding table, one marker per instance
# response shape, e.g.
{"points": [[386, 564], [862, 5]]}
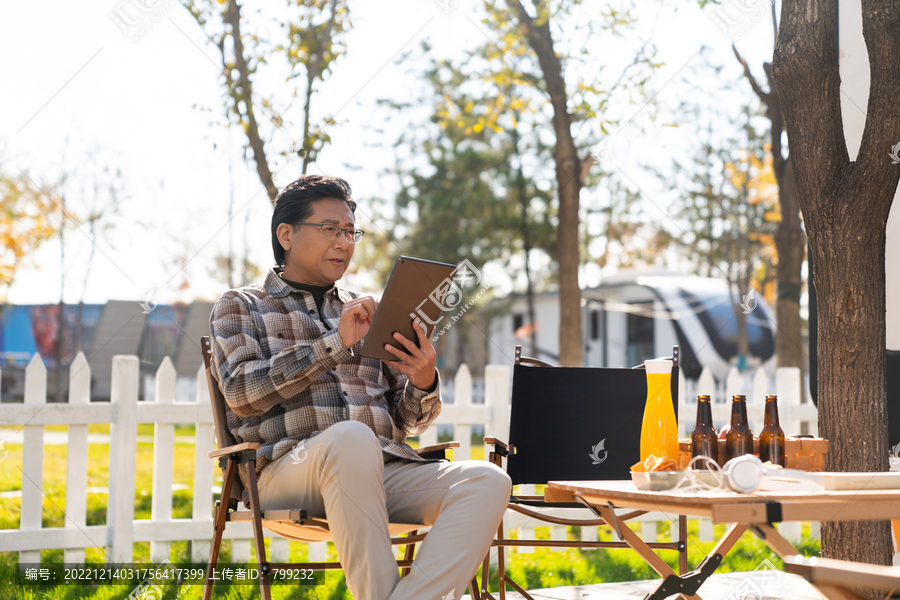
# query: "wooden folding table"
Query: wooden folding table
{"points": [[835, 579], [757, 511]]}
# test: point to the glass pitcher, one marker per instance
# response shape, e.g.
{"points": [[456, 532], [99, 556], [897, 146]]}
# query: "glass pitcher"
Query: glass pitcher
{"points": [[659, 431]]}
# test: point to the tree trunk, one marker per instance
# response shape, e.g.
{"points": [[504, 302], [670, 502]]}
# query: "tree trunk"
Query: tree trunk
{"points": [[58, 374], [568, 168], [790, 240], [570, 347], [229, 260], [61, 318], [307, 146], [743, 342], [526, 238], [845, 206], [529, 294], [790, 244], [852, 410]]}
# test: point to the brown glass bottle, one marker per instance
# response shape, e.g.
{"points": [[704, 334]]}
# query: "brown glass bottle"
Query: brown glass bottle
{"points": [[704, 441], [771, 438], [739, 440]]}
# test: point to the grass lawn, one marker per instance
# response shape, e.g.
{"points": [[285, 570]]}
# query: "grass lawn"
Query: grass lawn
{"points": [[543, 568]]}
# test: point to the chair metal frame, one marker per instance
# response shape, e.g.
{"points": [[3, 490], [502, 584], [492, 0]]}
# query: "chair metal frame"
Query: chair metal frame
{"points": [[293, 524], [502, 449]]}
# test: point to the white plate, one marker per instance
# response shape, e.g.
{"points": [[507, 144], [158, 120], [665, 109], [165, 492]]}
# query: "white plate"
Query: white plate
{"points": [[658, 481]]}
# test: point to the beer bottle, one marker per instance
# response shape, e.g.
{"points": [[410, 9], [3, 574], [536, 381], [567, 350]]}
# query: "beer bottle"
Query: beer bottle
{"points": [[739, 440], [771, 438], [704, 441]]}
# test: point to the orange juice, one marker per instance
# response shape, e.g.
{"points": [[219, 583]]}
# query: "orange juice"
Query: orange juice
{"points": [[659, 431]]}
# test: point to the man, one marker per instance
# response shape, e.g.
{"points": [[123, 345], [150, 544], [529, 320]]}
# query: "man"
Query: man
{"points": [[331, 424]]}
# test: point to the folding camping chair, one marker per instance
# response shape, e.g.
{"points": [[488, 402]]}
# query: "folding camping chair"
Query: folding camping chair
{"points": [[293, 524], [572, 424]]}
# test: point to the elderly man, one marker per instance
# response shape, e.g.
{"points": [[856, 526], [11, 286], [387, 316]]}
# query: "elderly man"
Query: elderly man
{"points": [[331, 424]]}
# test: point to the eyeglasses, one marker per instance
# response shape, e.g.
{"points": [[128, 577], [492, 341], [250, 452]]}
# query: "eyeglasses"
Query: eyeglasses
{"points": [[333, 232]]}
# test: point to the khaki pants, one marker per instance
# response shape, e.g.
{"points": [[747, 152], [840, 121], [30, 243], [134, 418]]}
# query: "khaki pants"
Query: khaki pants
{"points": [[346, 476]]}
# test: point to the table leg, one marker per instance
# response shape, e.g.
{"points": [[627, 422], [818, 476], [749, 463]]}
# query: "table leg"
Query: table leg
{"points": [[731, 537], [775, 541], [646, 552]]}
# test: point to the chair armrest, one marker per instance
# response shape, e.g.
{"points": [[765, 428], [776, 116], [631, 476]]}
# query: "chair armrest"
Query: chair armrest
{"points": [[236, 449], [496, 442], [437, 447]]}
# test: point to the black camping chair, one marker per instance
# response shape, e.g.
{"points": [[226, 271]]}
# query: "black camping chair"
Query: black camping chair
{"points": [[581, 423]]}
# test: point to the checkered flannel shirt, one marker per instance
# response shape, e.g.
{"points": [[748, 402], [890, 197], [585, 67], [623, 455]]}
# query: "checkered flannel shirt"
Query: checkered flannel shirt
{"points": [[287, 377]]}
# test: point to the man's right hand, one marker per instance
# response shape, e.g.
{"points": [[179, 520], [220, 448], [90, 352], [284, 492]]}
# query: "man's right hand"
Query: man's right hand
{"points": [[356, 318]]}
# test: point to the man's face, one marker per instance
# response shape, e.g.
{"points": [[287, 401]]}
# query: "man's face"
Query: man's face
{"points": [[312, 258]]}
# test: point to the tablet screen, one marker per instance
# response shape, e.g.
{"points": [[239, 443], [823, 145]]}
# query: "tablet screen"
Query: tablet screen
{"points": [[417, 288]]}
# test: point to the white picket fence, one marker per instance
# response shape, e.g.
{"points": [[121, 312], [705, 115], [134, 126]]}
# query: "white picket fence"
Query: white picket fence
{"points": [[124, 412], [793, 411]]}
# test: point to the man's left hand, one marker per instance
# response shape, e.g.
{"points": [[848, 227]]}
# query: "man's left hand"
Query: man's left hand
{"points": [[416, 363]]}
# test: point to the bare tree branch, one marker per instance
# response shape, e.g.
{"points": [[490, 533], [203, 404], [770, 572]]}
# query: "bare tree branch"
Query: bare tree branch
{"points": [[774, 23], [244, 93], [312, 72], [756, 89]]}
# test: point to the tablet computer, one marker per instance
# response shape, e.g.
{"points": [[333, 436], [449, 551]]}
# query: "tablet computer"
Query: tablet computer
{"points": [[416, 288]]}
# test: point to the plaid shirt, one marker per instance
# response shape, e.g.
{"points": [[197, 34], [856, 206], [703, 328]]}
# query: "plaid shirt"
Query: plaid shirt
{"points": [[286, 375]]}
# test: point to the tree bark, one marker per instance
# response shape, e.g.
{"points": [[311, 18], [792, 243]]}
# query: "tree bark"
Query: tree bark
{"points": [[845, 206], [852, 407], [568, 167]]}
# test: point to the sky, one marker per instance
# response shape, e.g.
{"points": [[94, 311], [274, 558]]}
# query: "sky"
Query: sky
{"points": [[82, 95]]}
